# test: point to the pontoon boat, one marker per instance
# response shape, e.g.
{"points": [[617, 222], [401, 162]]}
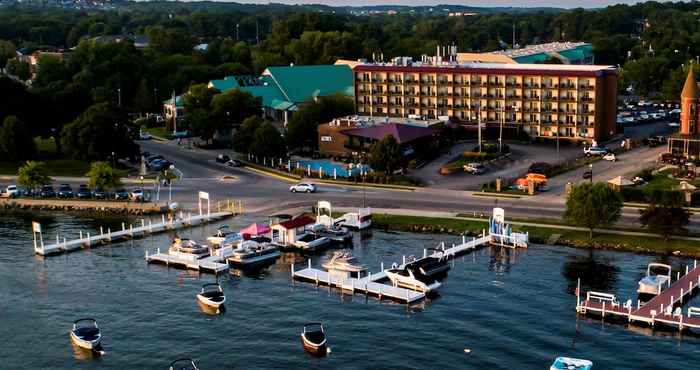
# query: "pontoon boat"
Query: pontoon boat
{"points": [[251, 252], [658, 276], [188, 248]]}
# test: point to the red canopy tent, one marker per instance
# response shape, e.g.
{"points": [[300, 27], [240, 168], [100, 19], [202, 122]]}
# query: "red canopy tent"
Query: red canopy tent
{"points": [[256, 229]]}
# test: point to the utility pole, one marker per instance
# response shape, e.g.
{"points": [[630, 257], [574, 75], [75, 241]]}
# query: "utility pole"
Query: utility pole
{"points": [[257, 32], [590, 167], [500, 130], [174, 103], [478, 112], [119, 94]]}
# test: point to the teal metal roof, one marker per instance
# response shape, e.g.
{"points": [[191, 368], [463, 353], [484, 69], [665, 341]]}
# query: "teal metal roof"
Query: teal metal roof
{"points": [[178, 101], [532, 58], [228, 83], [578, 54], [302, 83], [267, 90]]}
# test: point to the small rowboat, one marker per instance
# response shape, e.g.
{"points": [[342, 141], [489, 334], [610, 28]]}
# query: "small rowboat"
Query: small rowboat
{"points": [[211, 295], [183, 364], [86, 334], [313, 338]]}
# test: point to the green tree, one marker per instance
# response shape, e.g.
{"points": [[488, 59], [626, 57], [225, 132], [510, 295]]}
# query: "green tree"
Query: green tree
{"points": [[20, 69], [386, 155], [16, 142], [665, 215], [103, 176], [197, 103], [234, 106], [33, 174], [268, 142], [7, 52], [302, 128], [49, 69], [97, 133], [593, 206], [243, 137]]}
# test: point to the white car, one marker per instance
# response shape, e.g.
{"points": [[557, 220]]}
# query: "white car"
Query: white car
{"points": [[136, 195], [144, 136], [10, 192], [610, 157], [303, 188]]}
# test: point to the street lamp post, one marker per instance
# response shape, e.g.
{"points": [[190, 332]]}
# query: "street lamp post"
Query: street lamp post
{"points": [[478, 121], [590, 168], [119, 93]]}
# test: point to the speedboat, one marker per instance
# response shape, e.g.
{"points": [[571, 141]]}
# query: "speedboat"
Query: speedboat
{"points": [[183, 364], [658, 275], [212, 295], [86, 334], [223, 234], [335, 233], [251, 252], [428, 268], [405, 278], [313, 338], [344, 261], [188, 248], [567, 363]]}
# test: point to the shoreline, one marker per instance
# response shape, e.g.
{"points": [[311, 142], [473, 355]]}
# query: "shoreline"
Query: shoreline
{"points": [[542, 235], [82, 206]]}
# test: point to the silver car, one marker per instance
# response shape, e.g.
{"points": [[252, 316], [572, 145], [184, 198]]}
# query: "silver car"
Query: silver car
{"points": [[303, 187]]}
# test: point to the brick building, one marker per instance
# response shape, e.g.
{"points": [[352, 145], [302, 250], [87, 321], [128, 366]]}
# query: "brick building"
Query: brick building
{"points": [[687, 141]]}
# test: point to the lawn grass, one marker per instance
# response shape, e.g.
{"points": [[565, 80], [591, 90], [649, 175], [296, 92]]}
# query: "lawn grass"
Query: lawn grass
{"points": [[56, 167], [161, 132], [573, 238]]}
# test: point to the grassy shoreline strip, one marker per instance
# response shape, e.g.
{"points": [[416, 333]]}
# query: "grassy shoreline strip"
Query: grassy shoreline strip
{"points": [[541, 234]]}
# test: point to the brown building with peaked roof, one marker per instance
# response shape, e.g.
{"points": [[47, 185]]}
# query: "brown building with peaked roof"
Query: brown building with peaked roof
{"points": [[687, 141]]}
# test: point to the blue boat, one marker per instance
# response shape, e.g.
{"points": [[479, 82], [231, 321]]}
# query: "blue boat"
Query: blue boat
{"points": [[568, 363]]}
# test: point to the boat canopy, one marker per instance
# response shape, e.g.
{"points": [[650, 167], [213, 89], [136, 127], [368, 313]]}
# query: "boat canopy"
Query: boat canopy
{"points": [[255, 229]]}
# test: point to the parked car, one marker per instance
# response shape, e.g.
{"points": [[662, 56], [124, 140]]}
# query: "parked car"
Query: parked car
{"points": [[47, 192], [474, 168], [153, 157], [159, 165], [136, 195], [234, 163], [610, 157], [303, 187], [99, 194], [638, 180], [65, 191], [84, 192], [222, 158], [121, 194], [670, 158], [12, 191], [144, 135], [594, 150]]}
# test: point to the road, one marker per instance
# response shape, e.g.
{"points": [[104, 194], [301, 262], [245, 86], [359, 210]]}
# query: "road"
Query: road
{"points": [[265, 195]]}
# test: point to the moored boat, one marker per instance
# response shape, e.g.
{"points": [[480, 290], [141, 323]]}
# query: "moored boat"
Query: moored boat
{"points": [[188, 248], [335, 233], [313, 339], [658, 276], [86, 334], [428, 268], [344, 261], [211, 295], [568, 363], [251, 252], [223, 234], [405, 278], [183, 364]]}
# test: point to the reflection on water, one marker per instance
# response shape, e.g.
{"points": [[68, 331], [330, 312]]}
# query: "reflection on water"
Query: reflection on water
{"points": [[502, 258], [596, 272]]}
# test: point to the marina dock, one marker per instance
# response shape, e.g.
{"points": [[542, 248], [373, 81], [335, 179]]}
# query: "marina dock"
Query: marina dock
{"points": [[374, 284], [665, 308], [214, 263], [86, 240]]}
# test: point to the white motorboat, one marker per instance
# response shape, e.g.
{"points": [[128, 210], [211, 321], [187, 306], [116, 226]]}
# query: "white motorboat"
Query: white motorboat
{"points": [[183, 364], [250, 252], [404, 278], [313, 339], [212, 295], [311, 241], [658, 276], [223, 235], [188, 249], [568, 363], [86, 334], [335, 233], [344, 261]]}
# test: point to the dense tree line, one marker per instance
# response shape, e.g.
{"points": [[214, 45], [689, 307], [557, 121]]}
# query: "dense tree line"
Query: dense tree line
{"points": [[651, 42]]}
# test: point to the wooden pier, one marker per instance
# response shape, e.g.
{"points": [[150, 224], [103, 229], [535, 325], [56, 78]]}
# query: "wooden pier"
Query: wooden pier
{"points": [[86, 240], [214, 263], [374, 284], [664, 309]]}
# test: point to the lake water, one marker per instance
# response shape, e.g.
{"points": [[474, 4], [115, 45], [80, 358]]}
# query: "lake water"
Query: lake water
{"points": [[514, 310]]}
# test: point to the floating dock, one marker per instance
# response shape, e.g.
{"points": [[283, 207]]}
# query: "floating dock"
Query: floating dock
{"points": [[664, 309], [214, 263], [105, 237], [374, 284]]}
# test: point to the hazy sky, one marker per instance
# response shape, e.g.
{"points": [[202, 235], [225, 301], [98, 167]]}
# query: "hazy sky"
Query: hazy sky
{"points": [[519, 3]]}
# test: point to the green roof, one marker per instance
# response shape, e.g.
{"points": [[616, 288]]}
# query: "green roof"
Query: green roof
{"points": [[578, 54], [302, 83], [228, 83], [178, 101], [532, 58], [267, 90]]}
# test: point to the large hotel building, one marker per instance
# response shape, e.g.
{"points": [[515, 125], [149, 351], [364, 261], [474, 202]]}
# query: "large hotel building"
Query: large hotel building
{"points": [[575, 102]]}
